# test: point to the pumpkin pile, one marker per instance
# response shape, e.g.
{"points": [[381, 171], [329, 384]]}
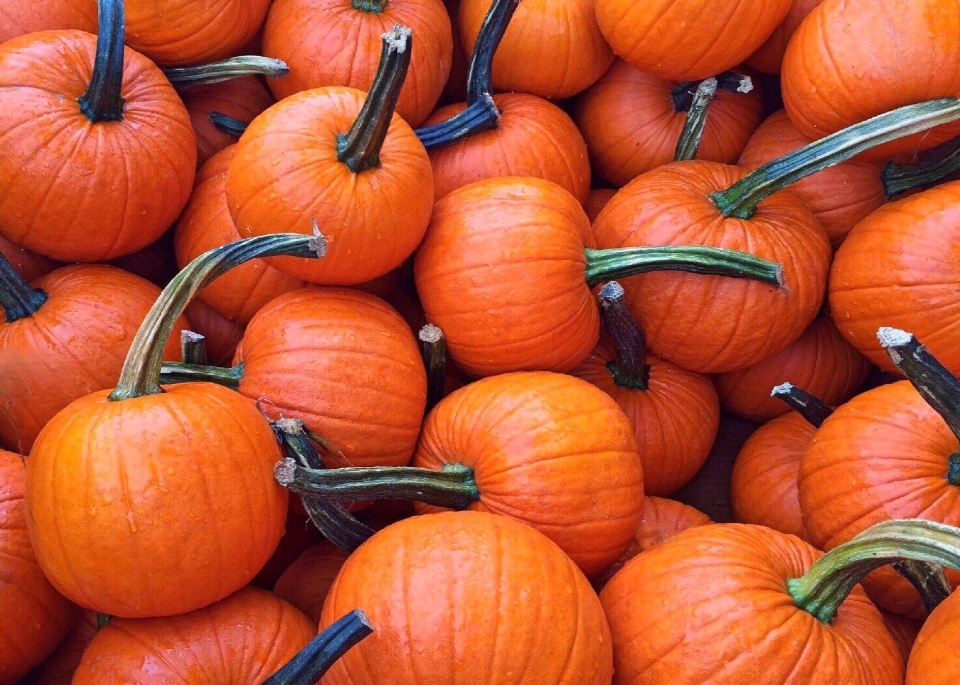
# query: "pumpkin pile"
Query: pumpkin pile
{"points": [[362, 342]]}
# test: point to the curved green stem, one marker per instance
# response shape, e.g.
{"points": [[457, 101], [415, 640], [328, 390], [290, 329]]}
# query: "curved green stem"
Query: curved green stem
{"points": [[682, 93], [629, 369], [177, 372], [102, 101], [822, 589], [899, 178], [360, 147], [433, 349], [692, 133], [605, 265], [741, 199], [810, 407], [141, 369], [17, 298], [229, 125], [482, 115], [375, 6], [226, 70], [311, 662]]}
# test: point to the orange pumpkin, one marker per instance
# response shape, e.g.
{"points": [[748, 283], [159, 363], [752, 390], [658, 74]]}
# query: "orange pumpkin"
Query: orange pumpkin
{"points": [[59, 667], [768, 58], [21, 18], [307, 580], [929, 663], [29, 265]]}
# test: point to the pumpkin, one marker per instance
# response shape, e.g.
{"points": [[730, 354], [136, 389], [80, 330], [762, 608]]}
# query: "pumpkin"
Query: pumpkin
{"points": [[307, 580], [34, 617], [156, 262], [29, 265], [596, 201], [469, 596], [58, 668], [904, 631], [298, 535], [97, 181], [768, 58], [936, 638], [18, 19], [220, 334]]}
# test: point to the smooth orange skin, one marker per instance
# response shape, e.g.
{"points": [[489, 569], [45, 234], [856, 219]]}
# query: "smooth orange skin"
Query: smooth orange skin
{"points": [[820, 361], [307, 580], [328, 43], [534, 138], [34, 617], [830, 79], [73, 345], [710, 607], [241, 640], [77, 191], [21, 18], [501, 272], [900, 267], [182, 32], [838, 196], [882, 455], [156, 505], [58, 668], [29, 265], [242, 98], [931, 659], [713, 324], [532, 441], [630, 126], [468, 597], [763, 486], [675, 420], [206, 224], [285, 174], [551, 49], [768, 58], [344, 362], [687, 40]]}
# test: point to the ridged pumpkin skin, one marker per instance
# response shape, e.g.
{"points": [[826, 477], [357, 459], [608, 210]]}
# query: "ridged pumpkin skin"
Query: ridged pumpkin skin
{"points": [[205, 224], [307, 580], [77, 191], [344, 362], [900, 53], [156, 505], [713, 324], [675, 420], [537, 456], [820, 361], [882, 455], [900, 267], [763, 486], [904, 631], [285, 174], [628, 121], [180, 32], [469, 597], [329, 43], [687, 40], [73, 345], [241, 640], [768, 58], [34, 617], [710, 607], [535, 138], [21, 18], [931, 661], [501, 271], [58, 668], [552, 48], [29, 265], [838, 196]]}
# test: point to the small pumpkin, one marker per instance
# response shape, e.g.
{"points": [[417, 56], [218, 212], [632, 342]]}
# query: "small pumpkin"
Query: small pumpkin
{"points": [[307, 580], [768, 58], [937, 637]]}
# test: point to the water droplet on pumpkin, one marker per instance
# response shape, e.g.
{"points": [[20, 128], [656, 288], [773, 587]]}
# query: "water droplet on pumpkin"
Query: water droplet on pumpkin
{"points": [[133, 525], [107, 498], [93, 511]]}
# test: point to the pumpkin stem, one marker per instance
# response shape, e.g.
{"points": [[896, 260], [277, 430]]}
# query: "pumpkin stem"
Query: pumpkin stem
{"points": [[810, 407], [332, 519], [102, 619], [226, 70], [928, 580], [227, 124], [311, 662], [629, 369], [433, 349], [953, 471], [682, 93], [482, 115], [141, 369], [899, 178], [605, 265], [176, 372], [360, 147], [689, 141], [741, 199], [193, 348], [17, 298], [102, 101], [822, 589], [375, 6]]}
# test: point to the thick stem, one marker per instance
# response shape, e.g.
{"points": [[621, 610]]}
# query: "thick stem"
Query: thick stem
{"points": [[311, 662], [375, 6], [141, 369], [480, 67], [692, 133], [741, 199], [810, 407], [453, 487], [605, 265], [229, 125], [899, 178], [433, 349], [629, 369], [193, 348], [822, 589], [17, 298], [360, 147], [226, 70], [102, 101], [482, 115], [928, 580], [172, 373], [682, 93], [332, 519], [102, 619]]}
